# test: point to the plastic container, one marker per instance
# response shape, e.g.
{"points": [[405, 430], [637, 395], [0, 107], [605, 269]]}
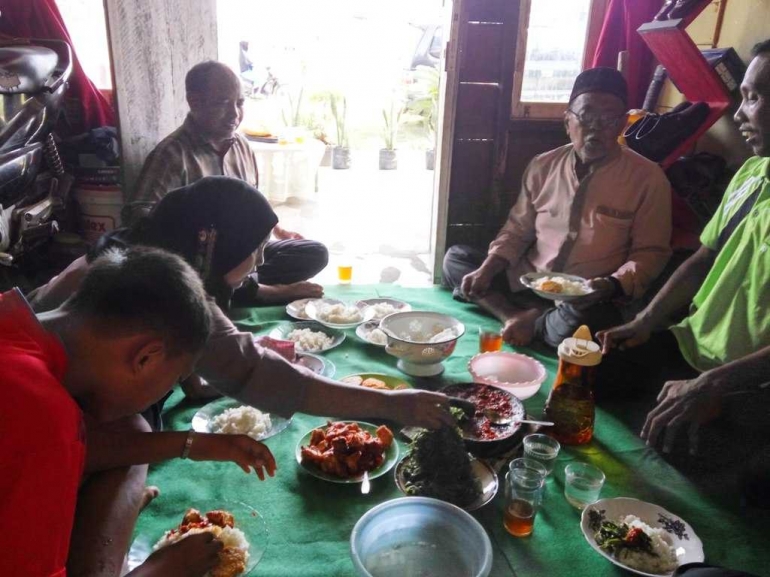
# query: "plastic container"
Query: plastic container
{"points": [[570, 405], [99, 209], [419, 536], [518, 374]]}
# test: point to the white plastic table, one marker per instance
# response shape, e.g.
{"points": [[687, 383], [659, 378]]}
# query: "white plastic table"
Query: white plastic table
{"points": [[288, 170]]}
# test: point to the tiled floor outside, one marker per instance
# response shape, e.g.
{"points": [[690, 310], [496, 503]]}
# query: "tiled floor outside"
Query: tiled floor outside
{"points": [[379, 220]]}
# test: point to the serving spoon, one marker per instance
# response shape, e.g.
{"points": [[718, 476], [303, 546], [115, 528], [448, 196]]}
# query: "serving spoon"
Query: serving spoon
{"points": [[365, 486], [501, 421]]}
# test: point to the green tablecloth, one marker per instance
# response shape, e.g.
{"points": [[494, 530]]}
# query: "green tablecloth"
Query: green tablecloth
{"points": [[310, 520]]}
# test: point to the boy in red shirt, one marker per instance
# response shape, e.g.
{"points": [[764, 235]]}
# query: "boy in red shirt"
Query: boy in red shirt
{"points": [[134, 328]]}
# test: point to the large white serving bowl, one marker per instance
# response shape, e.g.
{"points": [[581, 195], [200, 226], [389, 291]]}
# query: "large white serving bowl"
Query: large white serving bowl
{"points": [[518, 374], [420, 536], [420, 359]]}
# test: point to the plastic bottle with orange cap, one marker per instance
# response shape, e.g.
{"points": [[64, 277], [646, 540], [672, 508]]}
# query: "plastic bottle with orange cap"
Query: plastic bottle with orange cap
{"points": [[570, 403]]}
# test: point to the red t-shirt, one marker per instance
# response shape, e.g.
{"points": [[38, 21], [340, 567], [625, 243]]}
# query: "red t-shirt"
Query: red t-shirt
{"points": [[42, 445]]}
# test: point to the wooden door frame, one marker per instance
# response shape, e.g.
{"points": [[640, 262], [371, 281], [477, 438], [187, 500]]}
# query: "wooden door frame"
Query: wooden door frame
{"points": [[450, 81]]}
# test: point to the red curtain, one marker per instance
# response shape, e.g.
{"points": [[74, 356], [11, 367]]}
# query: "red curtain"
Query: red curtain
{"points": [[42, 19], [619, 33]]}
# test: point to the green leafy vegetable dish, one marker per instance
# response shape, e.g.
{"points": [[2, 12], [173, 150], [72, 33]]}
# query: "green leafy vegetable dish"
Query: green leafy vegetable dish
{"points": [[439, 466]]}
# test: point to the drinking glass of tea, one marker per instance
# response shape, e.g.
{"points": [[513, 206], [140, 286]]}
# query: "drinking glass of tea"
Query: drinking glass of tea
{"points": [[524, 484], [490, 340]]}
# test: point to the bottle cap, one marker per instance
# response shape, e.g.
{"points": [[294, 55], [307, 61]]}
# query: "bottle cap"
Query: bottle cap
{"points": [[580, 350]]}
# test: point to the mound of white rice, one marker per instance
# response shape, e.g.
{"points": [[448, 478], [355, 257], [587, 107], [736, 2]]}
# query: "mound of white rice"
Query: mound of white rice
{"points": [[310, 341], [381, 310], [377, 336], [243, 420], [662, 562], [338, 314], [568, 287], [435, 334]]}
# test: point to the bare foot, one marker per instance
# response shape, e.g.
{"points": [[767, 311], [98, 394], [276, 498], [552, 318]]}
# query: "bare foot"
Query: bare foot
{"points": [[151, 492], [274, 294], [519, 329]]}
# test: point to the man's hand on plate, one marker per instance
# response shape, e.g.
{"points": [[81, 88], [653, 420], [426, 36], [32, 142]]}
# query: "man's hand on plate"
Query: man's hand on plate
{"points": [[241, 449], [193, 556], [682, 405], [602, 289]]}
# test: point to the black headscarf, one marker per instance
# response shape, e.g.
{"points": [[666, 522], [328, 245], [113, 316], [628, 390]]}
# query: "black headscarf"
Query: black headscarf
{"points": [[214, 224]]}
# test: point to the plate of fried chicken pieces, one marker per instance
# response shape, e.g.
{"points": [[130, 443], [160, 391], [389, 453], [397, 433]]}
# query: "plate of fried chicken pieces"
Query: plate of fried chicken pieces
{"points": [[240, 528], [342, 451]]}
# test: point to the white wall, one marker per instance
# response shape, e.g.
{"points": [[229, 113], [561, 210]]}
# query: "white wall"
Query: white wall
{"points": [[153, 44]]}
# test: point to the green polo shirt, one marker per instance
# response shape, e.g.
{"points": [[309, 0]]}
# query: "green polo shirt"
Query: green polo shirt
{"points": [[730, 317]]}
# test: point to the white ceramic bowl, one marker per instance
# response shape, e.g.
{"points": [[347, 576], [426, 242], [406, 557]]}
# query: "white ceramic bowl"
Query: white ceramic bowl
{"points": [[408, 335], [420, 536], [519, 374]]}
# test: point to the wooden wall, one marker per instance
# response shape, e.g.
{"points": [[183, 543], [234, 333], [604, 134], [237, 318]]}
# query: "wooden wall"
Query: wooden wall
{"points": [[490, 150], [152, 45]]}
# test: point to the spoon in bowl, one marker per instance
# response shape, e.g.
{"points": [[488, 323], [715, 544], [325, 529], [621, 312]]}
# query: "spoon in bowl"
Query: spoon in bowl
{"points": [[499, 420]]}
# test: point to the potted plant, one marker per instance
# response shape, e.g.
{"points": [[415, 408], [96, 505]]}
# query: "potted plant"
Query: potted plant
{"points": [[341, 152], [392, 117], [426, 106]]}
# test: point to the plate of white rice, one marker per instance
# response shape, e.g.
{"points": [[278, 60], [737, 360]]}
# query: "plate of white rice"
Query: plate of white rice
{"points": [[338, 314], [672, 541], [556, 286], [296, 309], [372, 334], [249, 532], [231, 417], [385, 306], [308, 336]]}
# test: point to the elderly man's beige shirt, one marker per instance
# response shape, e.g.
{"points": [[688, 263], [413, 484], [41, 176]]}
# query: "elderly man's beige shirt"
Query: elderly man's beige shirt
{"points": [[616, 221], [185, 156]]}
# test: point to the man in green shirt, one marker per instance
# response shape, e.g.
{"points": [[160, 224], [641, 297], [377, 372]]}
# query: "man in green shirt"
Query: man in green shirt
{"points": [[724, 342]]}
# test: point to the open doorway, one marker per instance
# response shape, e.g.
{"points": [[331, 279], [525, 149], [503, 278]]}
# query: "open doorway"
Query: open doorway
{"points": [[342, 111]]}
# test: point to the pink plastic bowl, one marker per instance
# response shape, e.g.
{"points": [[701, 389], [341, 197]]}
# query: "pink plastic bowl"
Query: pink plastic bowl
{"points": [[514, 372]]}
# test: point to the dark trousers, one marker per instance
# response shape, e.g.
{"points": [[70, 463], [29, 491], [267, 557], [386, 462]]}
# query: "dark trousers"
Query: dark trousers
{"points": [[286, 262], [555, 324]]}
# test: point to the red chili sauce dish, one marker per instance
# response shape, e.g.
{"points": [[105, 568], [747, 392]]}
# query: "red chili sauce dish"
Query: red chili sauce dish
{"points": [[486, 398]]}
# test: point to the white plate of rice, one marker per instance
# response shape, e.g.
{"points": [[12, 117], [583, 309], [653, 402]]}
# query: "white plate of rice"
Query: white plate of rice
{"points": [[231, 417], [372, 334], [674, 542], [296, 309], [338, 314], [556, 286], [385, 306], [308, 336], [249, 531]]}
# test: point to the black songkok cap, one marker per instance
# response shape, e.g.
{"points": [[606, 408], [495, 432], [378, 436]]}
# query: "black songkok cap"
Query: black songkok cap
{"points": [[602, 79]]}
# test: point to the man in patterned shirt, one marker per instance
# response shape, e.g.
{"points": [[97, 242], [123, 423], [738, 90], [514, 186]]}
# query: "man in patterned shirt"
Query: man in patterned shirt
{"points": [[207, 144]]}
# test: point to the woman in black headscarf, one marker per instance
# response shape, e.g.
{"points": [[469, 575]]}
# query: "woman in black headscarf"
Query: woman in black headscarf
{"points": [[220, 225]]}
